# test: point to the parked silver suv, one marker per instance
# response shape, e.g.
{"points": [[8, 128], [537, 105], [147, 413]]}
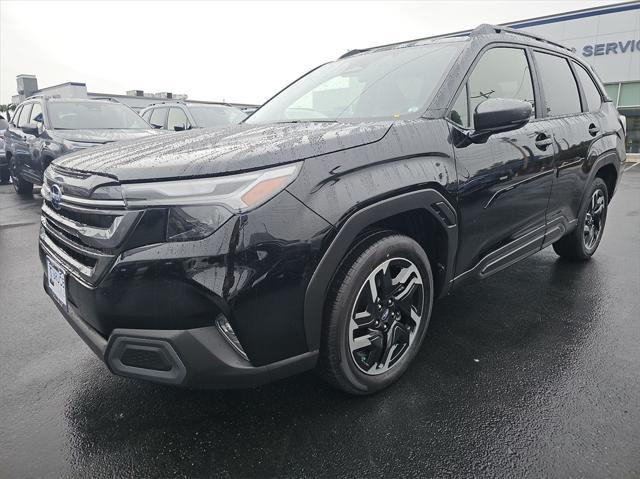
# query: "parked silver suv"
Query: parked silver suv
{"points": [[179, 116]]}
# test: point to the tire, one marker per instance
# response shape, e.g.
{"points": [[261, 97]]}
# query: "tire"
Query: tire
{"points": [[368, 355], [21, 186], [4, 175], [582, 243]]}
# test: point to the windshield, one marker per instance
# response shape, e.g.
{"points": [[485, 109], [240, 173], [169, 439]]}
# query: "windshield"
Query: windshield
{"points": [[388, 84], [93, 115], [209, 116]]}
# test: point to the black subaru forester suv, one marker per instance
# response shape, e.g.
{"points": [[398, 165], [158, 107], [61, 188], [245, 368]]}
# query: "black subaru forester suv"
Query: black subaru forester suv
{"points": [[320, 231]]}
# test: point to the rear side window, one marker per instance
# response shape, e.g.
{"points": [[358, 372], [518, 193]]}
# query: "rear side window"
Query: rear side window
{"points": [[158, 117], [502, 72], [559, 85], [591, 92], [24, 116]]}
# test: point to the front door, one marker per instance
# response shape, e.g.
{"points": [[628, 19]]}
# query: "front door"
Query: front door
{"points": [[505, 183]]}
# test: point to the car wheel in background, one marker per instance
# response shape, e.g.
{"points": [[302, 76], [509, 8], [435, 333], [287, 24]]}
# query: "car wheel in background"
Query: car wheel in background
{"points": [[377, 314], [21, 186]]}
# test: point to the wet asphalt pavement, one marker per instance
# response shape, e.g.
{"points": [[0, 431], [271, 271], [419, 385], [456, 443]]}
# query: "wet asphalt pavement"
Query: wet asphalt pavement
{"points": [[534, 372]]}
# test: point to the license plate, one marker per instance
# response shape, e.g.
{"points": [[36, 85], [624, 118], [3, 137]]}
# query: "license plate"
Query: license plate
{"points": [[57, 280]]}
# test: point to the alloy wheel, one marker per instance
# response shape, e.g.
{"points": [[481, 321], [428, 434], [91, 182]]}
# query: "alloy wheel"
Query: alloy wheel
{"points": [[594, 220], [386, 316]]}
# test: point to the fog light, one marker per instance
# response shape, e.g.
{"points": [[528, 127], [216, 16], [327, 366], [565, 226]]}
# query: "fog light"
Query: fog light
{"points": [[225, 328]]}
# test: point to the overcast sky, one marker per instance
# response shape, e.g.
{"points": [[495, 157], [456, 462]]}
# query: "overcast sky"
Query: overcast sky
{"points": [[235, 51]]}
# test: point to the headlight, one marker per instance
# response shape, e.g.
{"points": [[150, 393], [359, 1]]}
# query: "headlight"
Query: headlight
{"points": [[198, 207]]}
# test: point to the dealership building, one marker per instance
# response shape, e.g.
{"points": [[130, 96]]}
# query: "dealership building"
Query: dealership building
{"points": [[608, 38]]}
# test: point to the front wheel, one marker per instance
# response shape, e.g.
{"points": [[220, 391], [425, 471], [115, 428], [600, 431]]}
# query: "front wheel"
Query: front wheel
{"points": [[21, 186], [581, 243], [377, 314]]}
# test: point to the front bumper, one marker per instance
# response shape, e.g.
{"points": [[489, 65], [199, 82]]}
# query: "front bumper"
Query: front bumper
{"points": [[155, 305], [199, 357]]}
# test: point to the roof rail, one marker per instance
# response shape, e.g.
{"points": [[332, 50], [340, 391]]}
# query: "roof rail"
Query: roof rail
{"points": [[104, 98], [41, 95], [486, 28]]}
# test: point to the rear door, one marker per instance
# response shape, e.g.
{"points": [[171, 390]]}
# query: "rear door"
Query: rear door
{"points": [[574, 121], [505, 183]]}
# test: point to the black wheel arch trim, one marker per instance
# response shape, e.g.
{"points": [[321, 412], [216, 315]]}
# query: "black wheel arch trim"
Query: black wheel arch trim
{"points": [[430, 200], [606, 158]]}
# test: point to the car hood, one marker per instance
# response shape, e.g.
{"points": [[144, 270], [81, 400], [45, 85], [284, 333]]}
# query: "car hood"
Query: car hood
{"points": [[103, 136], [205, 152]]}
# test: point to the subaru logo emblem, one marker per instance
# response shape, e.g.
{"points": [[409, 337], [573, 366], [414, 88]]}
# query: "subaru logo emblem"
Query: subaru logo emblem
{"points": [[56, 196]]}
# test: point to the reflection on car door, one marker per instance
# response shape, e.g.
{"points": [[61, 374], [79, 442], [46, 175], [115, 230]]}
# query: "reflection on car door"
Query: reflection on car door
{"points": [[22, 143], [505, 183], [575, 122]]}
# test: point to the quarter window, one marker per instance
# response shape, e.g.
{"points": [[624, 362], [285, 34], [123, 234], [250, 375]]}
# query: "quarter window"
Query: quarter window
{"points": [[158, 117], [500, 73], [16, 116], [591, 91], [559, 84]]}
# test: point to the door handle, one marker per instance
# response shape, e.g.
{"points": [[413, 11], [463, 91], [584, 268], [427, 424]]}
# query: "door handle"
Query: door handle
{"points": [[543, 141], [593, 129]]}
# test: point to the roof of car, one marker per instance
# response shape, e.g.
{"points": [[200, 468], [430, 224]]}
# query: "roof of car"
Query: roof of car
{"points": [[481, 31]]}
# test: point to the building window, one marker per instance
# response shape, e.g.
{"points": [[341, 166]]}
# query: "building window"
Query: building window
{"points": [[626, 96], [629, 95]]}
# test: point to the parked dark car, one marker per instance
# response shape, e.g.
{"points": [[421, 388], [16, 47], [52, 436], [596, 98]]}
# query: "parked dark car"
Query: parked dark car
{"points": [[4, 167], [320, 231], [180, 116], [44, 128]]}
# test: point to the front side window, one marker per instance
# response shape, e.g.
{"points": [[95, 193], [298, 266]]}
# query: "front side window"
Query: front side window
{"points": [[385, 84], [158, 117], [502, 72], [75, 115], [36, 114], [177, 118], [24, 115], [559, 85]]}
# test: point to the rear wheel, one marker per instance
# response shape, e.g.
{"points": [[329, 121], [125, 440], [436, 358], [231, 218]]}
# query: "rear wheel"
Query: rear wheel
{"points": [[582, 243], [21, 186], [377, 314]]}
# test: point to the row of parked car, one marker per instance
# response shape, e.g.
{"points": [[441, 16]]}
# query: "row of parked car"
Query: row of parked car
{"points": [[44, 128]]}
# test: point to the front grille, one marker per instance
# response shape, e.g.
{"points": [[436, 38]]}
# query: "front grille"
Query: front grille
{"points": [[83, 233], [90, 219]]}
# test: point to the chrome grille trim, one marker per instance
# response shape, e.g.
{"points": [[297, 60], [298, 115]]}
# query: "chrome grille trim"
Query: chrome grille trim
{"points": [[100, 238], [84, 235], [58, 253], [68, 200]]}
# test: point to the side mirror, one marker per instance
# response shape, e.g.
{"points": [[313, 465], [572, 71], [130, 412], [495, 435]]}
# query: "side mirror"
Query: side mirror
{"points": [[497, 115], [31, 129], [180, 127]]}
